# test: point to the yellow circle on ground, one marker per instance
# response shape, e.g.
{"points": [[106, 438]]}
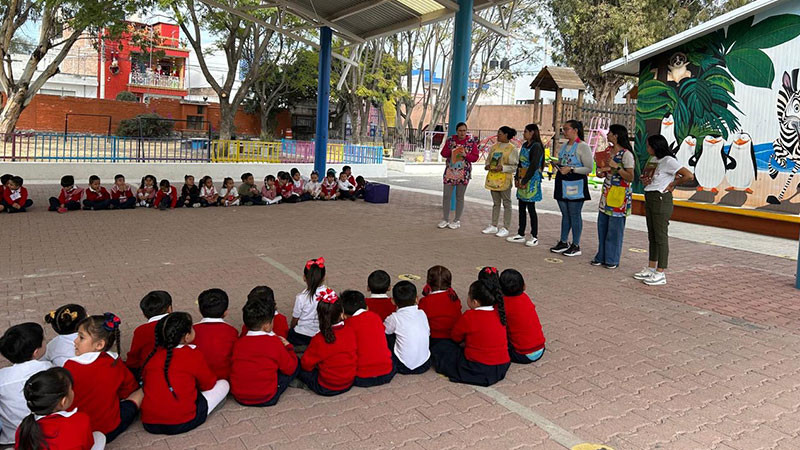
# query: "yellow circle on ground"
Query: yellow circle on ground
{"points": [[637, 250], [408, 277], [554, 260], [591, 447]]}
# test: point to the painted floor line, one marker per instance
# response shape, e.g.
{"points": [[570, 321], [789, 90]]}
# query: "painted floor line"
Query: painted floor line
{"points": [[293, 275]]}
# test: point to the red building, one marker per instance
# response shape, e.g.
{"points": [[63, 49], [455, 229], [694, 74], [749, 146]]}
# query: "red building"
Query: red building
{"points": [[158, 70]]}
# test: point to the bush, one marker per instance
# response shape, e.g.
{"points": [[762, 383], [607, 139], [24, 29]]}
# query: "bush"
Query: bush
{"points": [[126, 96], [149, 125]]}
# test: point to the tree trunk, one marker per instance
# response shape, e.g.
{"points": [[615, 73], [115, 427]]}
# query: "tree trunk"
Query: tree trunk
{"points": [[11, 112], [265, 130], [226, 126]]}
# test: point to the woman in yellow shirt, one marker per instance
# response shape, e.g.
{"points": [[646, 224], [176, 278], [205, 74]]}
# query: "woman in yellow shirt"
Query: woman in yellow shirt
{"points": [[501, 163]]}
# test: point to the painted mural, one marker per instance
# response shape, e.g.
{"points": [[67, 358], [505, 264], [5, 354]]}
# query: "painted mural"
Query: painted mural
{"points": [[729, 104]]}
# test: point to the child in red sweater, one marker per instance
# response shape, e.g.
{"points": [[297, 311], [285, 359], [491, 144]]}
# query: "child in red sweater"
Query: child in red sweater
{"points": [[328, 366], [146, 193], [51, 423], [374, 365], [263, 363], [440, 303], [3, 182], [179, 388], [69, 198], [484, 359], [378, 284], [213, 337], [122, 196], [154, 306], [280, 325], [104, 388], [525, 336], [96, 197], [15, 196], [166, 197]]}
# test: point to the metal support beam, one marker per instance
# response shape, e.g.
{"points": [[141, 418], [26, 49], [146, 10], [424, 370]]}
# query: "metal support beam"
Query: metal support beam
{"points": [[312, 16], [409, 24], [355, 9], [323, 100], [462, 46], [490, 26]]}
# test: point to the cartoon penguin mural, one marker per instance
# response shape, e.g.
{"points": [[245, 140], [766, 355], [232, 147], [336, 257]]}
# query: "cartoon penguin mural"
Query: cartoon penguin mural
{"points": [[743, 152], [686, 151], [711, 163], [668, 130]]}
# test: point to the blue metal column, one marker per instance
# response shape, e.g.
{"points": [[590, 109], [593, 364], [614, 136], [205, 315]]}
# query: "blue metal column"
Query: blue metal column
{"points": [[462, 46], [323, 100]]}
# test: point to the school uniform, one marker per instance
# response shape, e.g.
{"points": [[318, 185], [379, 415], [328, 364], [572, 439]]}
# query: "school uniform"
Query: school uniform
{"points": [[215, 338], [65, 430], [525, 336], [122, 198], [270, 196], [168, 198], [374, 359], [280, 326], [287, 193], [346, 190], [261, 368], [16, 196], [381, 304], [101, 384], [484, 359], [299, 189], [330, 188], [206, 195], [443, 312], [96, 200], [70, 198], [229, 198], [142, 343], [330, 369], [146, 196], [305, 311], [313, 189], [13, 406], [185, 406], [60, 349], [408, 333], [249, 193]]}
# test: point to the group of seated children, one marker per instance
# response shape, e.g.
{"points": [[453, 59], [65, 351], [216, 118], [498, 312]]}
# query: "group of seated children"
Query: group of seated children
{"points": [[177, 371], [288, 187]]}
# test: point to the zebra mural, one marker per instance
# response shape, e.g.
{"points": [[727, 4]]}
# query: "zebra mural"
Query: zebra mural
{"points": [[787, 146]]}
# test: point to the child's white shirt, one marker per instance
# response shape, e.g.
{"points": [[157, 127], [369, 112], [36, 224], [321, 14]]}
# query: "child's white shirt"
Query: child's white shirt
{"points": [[410, 326], [207, 191], [224, 192], [314, 187], [13, 407], [60, 349], [305, 311], [345, 185]]}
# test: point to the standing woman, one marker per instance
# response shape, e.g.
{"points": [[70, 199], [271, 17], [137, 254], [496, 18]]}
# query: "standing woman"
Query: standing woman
{"points": [[459, 151], [661, 174], [615, 200], [528, 181], [501, 163], [572, 186]]}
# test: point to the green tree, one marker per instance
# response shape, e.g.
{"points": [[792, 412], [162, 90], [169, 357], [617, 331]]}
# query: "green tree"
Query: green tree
{"points": [[61, 23]]}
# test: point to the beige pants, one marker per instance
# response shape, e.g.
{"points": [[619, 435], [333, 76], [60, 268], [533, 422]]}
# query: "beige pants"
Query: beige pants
{"points": [[505, 198]]}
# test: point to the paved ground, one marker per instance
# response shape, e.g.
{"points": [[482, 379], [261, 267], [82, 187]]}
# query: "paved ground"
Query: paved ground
{"points": [[708, 361]]}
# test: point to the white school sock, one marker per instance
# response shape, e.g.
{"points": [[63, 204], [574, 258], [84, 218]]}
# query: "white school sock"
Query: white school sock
{"points": [[217, 394], [99, 440]]}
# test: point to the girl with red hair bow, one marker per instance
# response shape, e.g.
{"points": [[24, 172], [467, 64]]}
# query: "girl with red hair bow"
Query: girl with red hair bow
{"points": [[304, 323]]}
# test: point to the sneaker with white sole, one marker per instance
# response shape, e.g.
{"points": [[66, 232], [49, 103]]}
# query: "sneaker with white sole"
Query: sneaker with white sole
{"points": [[443, 224], [644, 273], [561, 247], [655, 279], [532, 243], [573, 250], [491, 229], [518, 238], [455, 225], [501, 233]]}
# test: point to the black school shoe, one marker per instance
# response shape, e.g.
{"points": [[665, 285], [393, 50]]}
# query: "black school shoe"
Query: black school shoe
{"points": [[573, 250], [561, 247]]}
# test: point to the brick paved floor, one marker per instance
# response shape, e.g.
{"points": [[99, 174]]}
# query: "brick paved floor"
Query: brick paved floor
{"points": [[709, 361]]}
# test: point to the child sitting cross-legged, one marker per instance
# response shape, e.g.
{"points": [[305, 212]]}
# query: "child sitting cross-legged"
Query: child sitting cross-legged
{"points": [[330, 188], [179, 388], [441, 303], [69, 198], [208, 193], [166, 197], [263, 363], [146, 193], [248, 191], [228, 195], [525, 336], [304, 315], [96, 197], [64, 321], [347, 190], [314, 187], [269, 193], [4, 179], [280, 326], [154, 306], [104, 388], [121, 194], [408, 331], [378, 284], [15, 196], [190, 193], [374, 366], [213, 337]]}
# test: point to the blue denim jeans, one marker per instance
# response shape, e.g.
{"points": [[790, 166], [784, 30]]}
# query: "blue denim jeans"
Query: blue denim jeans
{"points": [[571, 220], [609, 238]]}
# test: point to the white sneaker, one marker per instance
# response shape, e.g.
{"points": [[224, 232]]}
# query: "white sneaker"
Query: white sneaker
{"points": [[516, 238], [455, 225], [443, 224], [502, 233], [656, 279], [644, 273], [533, 242], [196, 205], [491, 229]]}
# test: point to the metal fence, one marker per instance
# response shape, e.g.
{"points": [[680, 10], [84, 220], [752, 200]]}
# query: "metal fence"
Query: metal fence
{"points": [[291, 151]]}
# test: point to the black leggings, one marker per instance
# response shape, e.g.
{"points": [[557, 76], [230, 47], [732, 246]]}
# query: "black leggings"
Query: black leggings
{"points": [[523, 220]]}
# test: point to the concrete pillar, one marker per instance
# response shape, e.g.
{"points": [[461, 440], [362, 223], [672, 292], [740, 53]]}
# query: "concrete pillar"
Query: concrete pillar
{"points": [[323, 100]]}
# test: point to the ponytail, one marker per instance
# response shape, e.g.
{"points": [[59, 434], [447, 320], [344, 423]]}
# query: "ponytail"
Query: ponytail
{"points": [[314, 274], [30, 434], [329, 312], [491, 281], [43, 392]]}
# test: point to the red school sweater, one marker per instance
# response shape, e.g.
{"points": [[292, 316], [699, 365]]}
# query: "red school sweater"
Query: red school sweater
{"points": [[122, 194], [97, 196], [21, 200], [381, 306], [73, 195], [257, 358], [336, 362], [215, 341], [374, 356], [173, 196], [65, 431], [99, 385], [484, 337], [280, 326], [188, 373], [524, 328], [143, 342], [442, 312]]}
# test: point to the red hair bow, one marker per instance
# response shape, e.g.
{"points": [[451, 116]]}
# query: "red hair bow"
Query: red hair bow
{"points": [[327, 296], [491, 270], [316, 262], [111, 321]]}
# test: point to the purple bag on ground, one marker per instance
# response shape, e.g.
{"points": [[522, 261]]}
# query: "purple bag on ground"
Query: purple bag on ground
{"points": [[376, 193]]}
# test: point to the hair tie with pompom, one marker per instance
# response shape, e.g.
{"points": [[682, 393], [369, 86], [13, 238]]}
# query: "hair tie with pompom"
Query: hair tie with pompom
{"points": [[316, 262], [111, 322], [327, 296], [490, 270]]}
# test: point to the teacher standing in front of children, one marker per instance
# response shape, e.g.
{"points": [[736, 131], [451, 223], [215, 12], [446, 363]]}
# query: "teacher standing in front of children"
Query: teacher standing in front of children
{"points": [[572, 186], [459, 152]]}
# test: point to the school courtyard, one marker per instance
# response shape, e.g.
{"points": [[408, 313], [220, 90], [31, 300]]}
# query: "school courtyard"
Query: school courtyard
{"points": [[708, 361]]}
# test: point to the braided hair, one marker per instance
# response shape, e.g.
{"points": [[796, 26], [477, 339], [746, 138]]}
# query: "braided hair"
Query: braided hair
{"points": [[65, 319], [491, 278], [106, 328], [43, 393], [487, 292], [169, 332]]}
